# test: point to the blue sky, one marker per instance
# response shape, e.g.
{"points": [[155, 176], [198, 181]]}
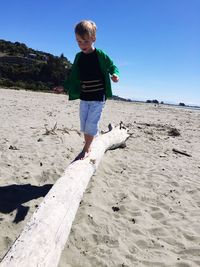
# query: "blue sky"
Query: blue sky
{"points": [[155, 43]]}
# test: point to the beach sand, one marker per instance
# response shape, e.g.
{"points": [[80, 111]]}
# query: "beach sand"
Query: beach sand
{"points": [[141, 207]]}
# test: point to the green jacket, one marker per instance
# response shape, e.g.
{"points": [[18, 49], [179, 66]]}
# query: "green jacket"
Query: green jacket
{"points": [[73, 85]]}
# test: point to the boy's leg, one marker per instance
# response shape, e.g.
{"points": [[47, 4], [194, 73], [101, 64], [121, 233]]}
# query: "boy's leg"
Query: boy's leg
{"points": [[88, 141], [94, 110], [92, 123], [86, 149], [83, 113]]}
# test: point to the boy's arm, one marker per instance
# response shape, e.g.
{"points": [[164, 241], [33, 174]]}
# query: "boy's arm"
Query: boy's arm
{"points": [[66, 83], [112, 68]]}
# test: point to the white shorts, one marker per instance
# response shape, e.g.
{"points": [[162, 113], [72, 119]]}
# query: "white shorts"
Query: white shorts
{"points": [[90, 114]]}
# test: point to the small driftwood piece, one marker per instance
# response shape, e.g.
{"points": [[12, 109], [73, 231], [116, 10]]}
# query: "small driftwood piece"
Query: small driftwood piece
{"points": [[51, 131], [44, 236], [181, 152]]}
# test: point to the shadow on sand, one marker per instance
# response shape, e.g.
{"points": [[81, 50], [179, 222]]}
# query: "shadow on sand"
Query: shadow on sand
{"points": [[13, 196]]}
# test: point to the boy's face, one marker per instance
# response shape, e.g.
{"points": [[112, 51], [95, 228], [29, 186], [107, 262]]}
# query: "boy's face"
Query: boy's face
{"points": [[86, 43]]}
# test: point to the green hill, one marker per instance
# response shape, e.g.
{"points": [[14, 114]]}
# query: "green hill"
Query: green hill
{"points": [[25, 67]]}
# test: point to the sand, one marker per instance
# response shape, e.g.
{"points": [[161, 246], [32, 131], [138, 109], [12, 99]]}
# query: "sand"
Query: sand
{"points": [[142, 206]]}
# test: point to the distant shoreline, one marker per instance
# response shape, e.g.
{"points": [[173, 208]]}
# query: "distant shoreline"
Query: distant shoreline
{"points": [[117, 98]]}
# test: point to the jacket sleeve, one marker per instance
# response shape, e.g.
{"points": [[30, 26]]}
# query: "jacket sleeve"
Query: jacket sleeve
{"points": [[67, 81], [111, 67]]}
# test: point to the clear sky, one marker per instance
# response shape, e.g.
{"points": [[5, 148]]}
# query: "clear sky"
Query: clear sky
{"points": [[155, 43]]}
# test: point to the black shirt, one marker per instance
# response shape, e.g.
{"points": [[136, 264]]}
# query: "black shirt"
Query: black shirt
{"points": [[92, 80]]}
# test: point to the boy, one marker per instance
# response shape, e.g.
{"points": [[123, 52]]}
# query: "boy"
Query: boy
{"points": [[89, 81]]}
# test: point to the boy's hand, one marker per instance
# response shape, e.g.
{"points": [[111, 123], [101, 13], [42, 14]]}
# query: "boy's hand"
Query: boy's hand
{"points": [[58, 89], [115, 78]]}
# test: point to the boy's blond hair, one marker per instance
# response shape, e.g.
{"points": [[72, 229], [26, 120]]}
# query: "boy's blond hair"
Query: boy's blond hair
{"points": [[86, 28]]}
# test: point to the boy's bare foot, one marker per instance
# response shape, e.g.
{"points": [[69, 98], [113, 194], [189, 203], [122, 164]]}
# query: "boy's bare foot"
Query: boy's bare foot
{"points": [[84, 154], [86, 149]]}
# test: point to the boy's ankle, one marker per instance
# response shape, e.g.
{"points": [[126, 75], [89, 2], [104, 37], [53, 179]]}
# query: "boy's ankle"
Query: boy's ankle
{"points": [[86, 149], [82, 155]]}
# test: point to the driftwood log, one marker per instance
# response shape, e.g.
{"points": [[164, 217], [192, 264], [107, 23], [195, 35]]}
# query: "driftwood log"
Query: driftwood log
{"points": [[43, 238]]}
